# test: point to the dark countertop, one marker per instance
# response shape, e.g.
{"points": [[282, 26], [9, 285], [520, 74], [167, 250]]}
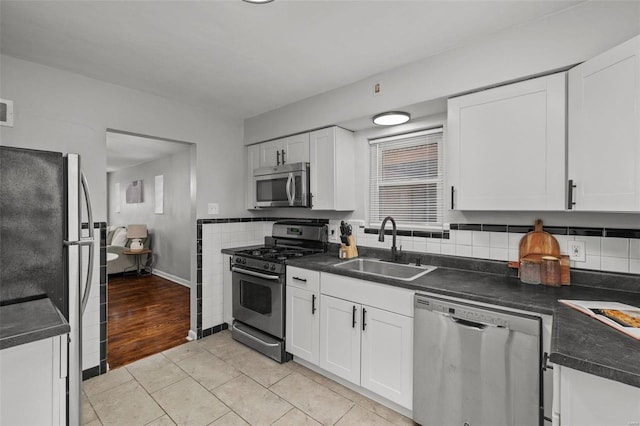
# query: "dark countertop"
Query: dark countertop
{"points": [[577, 341], [29, 321]]}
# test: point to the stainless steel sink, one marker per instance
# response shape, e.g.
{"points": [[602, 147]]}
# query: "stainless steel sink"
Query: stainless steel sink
{"points": [[386, 269]]}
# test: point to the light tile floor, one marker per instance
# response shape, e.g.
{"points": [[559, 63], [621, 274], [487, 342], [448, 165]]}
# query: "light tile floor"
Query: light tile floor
{"points": [[218, 381]]}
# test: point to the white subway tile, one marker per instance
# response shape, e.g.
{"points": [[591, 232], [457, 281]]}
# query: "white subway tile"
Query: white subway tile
{"points": [[615, 264], [420, 245], [405, 242], [464, 238], [592, 262], [480, 252], [497, 253], [615, 247], [499, 240], [563, 241], [480, 239], [464, 250], [449, 249], [513, 254], [434, 247], [634, 248], [634, 266], [451, 239], [514, 240]]}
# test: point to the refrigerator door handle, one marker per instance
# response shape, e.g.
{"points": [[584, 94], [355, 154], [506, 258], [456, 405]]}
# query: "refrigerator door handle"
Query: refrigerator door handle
{"points": [[88, 242]]}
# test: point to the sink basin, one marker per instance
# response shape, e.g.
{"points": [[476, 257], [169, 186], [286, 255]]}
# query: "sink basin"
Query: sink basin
{"points": [[386, 269]]}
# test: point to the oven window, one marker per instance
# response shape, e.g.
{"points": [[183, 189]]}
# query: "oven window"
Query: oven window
{"points": [[272, 190], [255, 297]]}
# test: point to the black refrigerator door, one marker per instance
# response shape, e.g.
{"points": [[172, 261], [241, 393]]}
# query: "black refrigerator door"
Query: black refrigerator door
{"points": [[32, 226]]}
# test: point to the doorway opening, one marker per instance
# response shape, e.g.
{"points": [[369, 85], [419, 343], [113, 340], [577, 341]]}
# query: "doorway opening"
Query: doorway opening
{"points": [[151, 209]]}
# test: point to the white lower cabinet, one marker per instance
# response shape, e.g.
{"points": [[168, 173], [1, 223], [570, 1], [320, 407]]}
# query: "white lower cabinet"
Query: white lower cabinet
{"points": [[387, 355], [303, 314], [363, 340], [303, 324], [587, 400], [33, 387], [340, 338]]}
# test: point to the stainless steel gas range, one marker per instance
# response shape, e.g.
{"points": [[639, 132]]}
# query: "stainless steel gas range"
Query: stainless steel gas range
{"points": [[258, 284]]}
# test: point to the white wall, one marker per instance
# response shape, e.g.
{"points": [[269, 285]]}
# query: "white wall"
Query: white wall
{"points": [[559, 40], [170, 230], [61, 111]]}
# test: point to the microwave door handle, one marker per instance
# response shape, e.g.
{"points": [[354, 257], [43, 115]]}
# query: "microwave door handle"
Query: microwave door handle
{"points": [[288, 189], [293, 190]]}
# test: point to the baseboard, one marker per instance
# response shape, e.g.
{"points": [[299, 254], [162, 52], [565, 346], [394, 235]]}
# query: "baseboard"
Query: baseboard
{"points": [[192, 335], [173, 278]]}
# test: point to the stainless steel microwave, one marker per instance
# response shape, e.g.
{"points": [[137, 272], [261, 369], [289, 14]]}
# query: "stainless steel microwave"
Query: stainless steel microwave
{"points": [[282, 186]]}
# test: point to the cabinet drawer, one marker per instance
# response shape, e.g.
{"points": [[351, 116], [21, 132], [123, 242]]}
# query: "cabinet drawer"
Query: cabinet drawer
{"points": [[303, 278], [381, 296]]}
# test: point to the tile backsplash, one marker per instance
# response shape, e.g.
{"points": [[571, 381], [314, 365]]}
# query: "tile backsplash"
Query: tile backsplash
{"points": [[611, 250]]}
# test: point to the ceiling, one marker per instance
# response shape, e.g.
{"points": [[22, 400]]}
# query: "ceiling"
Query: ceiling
{"points": [[126, 150], [246, 58]]}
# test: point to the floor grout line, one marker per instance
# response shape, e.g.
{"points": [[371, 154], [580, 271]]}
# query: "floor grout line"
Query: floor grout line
{"points": [[298, 369]]}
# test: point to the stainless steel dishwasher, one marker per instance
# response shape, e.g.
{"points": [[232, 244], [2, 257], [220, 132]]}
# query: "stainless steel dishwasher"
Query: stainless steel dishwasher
{"points": [[474, 365]]}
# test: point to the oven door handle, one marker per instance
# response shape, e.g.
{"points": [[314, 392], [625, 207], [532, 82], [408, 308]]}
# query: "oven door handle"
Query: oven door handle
{"points": [[244, 333], [254, 274]]}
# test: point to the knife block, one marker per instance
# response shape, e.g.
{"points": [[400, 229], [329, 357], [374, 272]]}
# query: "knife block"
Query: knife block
{"points": [[349, 251]]}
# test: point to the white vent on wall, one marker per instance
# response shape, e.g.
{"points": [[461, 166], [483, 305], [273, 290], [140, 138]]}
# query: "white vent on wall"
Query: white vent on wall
{"points": [[6, 113]]}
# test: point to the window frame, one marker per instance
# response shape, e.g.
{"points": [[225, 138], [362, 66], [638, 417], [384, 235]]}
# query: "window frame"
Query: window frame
{"points": [[439, 180]]}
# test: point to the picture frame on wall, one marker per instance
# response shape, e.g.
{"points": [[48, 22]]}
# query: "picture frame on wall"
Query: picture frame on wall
{"points": [[159, 199], [134, 192]]}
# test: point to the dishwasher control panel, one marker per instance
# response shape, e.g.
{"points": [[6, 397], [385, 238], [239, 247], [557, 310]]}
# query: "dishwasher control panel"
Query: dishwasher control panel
{"points": [[459, 311]]}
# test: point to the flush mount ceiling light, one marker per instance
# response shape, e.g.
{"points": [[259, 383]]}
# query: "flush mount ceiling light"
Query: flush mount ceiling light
{"points": [[391, 118], [258, 1]]}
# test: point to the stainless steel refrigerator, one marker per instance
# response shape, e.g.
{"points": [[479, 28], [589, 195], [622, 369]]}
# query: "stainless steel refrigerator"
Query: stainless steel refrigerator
{"points": [[43, 196]]}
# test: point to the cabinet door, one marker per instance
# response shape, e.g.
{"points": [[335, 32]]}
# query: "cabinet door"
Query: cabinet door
{"points": [[270, 154], [331, 156], [506, 146], [32, 390], [387, 355], [296, 149], [340, 338], [604, 126], [253, 162], [303, 324], [588, 400]]}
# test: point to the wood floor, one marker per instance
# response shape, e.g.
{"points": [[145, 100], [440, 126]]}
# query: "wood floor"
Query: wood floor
{"points": [[146, 315]]}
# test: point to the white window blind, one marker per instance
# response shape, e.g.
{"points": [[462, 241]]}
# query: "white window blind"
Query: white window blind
{"points": [[406, 178]]}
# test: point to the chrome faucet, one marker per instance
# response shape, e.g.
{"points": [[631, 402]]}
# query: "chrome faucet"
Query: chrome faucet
{"points": [[394, 250]]}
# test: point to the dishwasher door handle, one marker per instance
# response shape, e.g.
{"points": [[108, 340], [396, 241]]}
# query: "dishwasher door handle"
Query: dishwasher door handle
{"points": [[468, 324]]}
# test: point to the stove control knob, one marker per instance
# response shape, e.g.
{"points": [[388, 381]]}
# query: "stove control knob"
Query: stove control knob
{"points": [[266, 266], [244, 261], [273, 267], [238, 260]]}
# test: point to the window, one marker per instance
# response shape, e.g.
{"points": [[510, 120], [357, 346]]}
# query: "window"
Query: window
{"points": [[406, 179]]}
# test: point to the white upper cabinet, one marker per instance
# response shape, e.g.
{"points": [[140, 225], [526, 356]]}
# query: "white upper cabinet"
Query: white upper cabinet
{"points": [[604, 131], [506, 147], [296, 149], [289, 150], [253, 162], [332, 156]]}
